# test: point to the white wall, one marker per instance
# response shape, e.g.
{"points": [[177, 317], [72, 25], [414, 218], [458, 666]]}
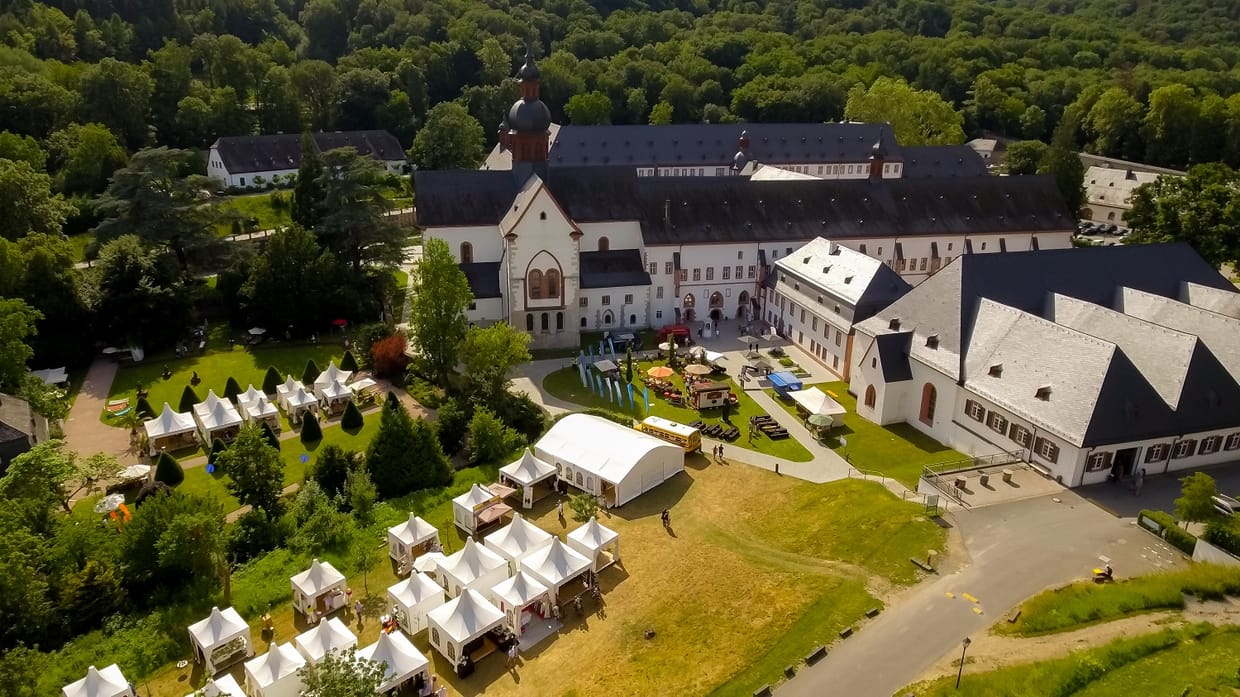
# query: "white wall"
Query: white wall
{"points": [[487, 243], [794, 307], [622, 313], [487, 311], [620, 235]]}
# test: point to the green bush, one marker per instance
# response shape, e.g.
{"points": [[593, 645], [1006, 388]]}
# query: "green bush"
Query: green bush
{"points": [[1224, 534], [310, 373], [144, 409], [310, 430], [271, 380], [392, 401], [426, 394], [217, 447], [188, 399], [270, 436], [786, 362], [352, 417], [168, 470], [349, 363], [1175, 535], [231, 388]]}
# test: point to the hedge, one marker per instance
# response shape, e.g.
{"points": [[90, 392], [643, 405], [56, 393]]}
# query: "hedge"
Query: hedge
{"points": [[352, 417], [310, 373], [1224, 534], [144, 409], [188, 399], [271, 380], [348, 362], [168, 470], [1171, 531]]}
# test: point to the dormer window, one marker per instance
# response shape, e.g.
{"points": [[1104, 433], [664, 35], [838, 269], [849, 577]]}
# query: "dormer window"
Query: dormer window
{"points": [[996, 370], [847, 280], [1043, 393], [932, 341], [805, 260], [826, 269], [835, 252], [894, 324]]}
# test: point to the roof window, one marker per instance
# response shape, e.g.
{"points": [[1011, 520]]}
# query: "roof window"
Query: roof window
{"points": [[932, 341], [894, 324], [1043, 393], [996, 370], [805, 260], [847, 280]]}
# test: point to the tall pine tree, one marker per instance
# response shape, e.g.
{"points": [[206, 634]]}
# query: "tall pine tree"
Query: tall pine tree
{"points": [[308, 192]]}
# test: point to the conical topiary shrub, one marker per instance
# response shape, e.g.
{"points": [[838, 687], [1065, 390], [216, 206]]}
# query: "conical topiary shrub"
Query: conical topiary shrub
{"points": [[217, 447], [310, 430], [188, 399], [270, 436], [349, 363], [144, 409], [231, 388], [393, 402], [352, 418], [168, 470], [271, 380], [310, 373]]}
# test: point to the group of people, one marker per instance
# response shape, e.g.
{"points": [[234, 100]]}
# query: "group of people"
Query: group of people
{"points": [[716, 453]]}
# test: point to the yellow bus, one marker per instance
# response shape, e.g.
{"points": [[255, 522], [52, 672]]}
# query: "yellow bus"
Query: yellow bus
{"points": [[686, 437]]}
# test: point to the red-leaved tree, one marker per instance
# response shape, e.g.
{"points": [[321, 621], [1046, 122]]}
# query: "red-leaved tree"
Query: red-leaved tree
{"points": [[388, 358]]}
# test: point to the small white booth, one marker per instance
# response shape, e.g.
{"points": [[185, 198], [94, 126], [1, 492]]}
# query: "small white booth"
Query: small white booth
{"points": [[521, 598], [333, 396], [474, 567], [170, 431], [288, 387], [318, 591], [220, 640], [314, 644], [559, 568], [275, 673], [461, 627], [608, 459], [534, 478], [223, 686], [106, 682], [517, 539], [813, 401], [478, 509], [216, 418], [257, 408], [403, 660], [332, 374], [410, 540], [299, 403], [412, 598], [599, 544]]}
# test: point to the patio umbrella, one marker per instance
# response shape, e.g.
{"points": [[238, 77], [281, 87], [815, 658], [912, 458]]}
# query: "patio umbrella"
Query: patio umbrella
{"points": [[665, 346], [257, 331], [340, 322], [697, 369], [818, 420], [770, 336], [134, 472], [109, 503], [660, 371], [428, 563], [747, 340]]}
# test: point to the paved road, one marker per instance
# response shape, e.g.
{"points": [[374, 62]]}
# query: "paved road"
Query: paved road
{"points": [[1016, 550], [1159, 491], [84, 432]]}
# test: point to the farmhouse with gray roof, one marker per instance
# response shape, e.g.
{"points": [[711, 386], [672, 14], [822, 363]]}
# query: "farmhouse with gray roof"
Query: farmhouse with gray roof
{"points": [[238, 161]]}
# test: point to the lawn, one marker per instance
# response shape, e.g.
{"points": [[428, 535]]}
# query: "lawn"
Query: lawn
{"points": [[401, 280], [214, 368], [566, 384], [898, 451], [1194, 660], [252, 207]]}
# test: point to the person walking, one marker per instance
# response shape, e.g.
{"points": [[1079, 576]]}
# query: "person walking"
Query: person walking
{"points": [[513, 652], [666, 517], [1136, 486], [559, 510], [357, 610]]}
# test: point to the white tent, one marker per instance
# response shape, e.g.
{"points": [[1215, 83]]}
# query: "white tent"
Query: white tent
{"points": [[52, 376], [556, 566], [525, 474], [325, 637], [474, 567], [815, 401], [223, 686], [332, 374], [333, 393], [299, 402], [108, 682], [520, 598], [318, 590], [597, 543], [404, 662], [275, 673], [256, 406], [216, 417], [460, 622], [608, 459], [359, 386], [516, 539], [476, 508], [288, 388], [412, 598], [251, 393], [220, 639], [410, 539], [168, 428], [700, 351]]}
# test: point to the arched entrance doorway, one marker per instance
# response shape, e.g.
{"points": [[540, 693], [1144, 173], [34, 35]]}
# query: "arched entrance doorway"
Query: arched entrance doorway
{"points": [[689, 304], [716, 306], [742, 305]]}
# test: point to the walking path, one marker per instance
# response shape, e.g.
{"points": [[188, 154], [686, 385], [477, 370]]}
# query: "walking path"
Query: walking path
{"points": [[84, 432]]}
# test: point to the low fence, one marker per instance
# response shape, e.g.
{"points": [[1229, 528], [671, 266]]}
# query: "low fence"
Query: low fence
{"points": [[933, 474]]}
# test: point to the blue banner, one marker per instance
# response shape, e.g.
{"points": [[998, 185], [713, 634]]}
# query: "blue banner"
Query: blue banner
{"points": [[632, 404], [595, 387], [619, 398], [646, 397], [581, 370], [590, 350], [611, 346], [601, 353], [611, 395]]}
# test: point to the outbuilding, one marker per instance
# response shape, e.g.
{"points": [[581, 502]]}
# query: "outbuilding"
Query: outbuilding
{"points": [[275, 673], [412, 599], [465, 627], [170, 431], [534, 478], [402, 661], [599, 544], [522, 598], [479, 508], [517, 539], [608, 459], [319, 590], [410, 540], [474, 567], [108, 682], [325, 637], [563, 571], [220, 640]]}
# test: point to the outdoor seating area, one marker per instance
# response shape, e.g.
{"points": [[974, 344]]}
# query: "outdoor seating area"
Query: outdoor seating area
{"points": [[767, 426], [318, 591], [703, 392], [717, 431]]}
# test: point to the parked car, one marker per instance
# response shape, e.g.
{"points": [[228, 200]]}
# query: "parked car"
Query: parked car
{"points": [[1226, 505], [1110, 228]]}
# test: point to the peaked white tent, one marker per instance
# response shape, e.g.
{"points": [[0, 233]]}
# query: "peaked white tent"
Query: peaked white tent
{"points": [[251, 393], [223, 686], [556, 566], [526, 474], [411, 539], [459, 627], [412, 598], [318, 590], [256, 406], [288, 387], [598, 544], [333, 394], [516, 539], [300, 402], [478, 508], [332, 374], [216, 418], [521, 598], [404, 661], [220, 639], [108, 682], [274, 674], [169, 430], [474, 567], [325, 637], [812, 401]]}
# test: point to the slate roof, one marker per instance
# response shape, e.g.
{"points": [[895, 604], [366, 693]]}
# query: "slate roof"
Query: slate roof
{"points": [[925, 161], [893, 356], [1221, 301], [858, 279], [483, 277], [243, 154], [612, 269]]}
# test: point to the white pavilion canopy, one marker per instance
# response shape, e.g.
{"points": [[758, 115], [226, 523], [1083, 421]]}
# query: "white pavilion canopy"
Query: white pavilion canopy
{"points": [[474, 566], [323, 638], [106, 682], [403, 660], [404, 539], [460, 621], [528, 471], [319, 580], [259, 408], [333, 391], [477, 507], [592, 539], [220, 636], [516, 539], [251, 393], [169, 423], [514, 594], [300, 401], [214, 414], [275, 673], [815, 401], [554, 565], [412, 598], [223, 686], [289, 387], [332, 374]]}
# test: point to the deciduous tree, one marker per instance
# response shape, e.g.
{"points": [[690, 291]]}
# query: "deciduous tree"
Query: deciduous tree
{"points": [[255, 473], [48, 469], [17, 325], [489, 439], [118, 95], [85, 157], [1196, 501], [437, 323], [28, 202], [341, 674], [451, 139], [589, 109], [1202, 209], [918, 117], [489, 354]]}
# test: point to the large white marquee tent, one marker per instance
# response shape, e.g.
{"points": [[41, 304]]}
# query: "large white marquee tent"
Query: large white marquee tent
{"points": [[608, 459], [597, 543], [275, 673], [474, 567], [412, 598], [220, 639], [106, 682], [403, 660], [460, 622]]}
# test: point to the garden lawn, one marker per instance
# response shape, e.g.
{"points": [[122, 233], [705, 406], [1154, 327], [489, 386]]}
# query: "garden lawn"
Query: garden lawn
{"points": [[1196, 660], [401, 279], [566, 384], [253, 207], [215, 367], [898, 451]]}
